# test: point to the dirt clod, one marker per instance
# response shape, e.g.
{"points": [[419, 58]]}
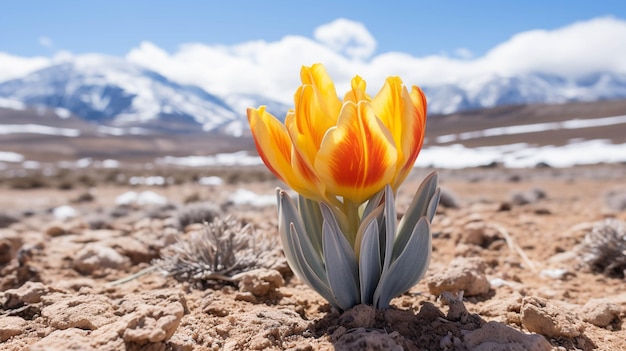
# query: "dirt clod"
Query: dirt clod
{"points": [[463, 274]]}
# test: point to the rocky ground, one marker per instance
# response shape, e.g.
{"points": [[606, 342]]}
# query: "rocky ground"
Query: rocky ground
{"points": [[522, 260]]}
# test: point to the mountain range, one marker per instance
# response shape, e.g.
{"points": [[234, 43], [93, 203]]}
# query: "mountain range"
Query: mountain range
{"points": [[114, 92]]}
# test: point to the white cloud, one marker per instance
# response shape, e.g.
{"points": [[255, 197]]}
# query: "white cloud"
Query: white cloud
{"points": [[347, 37], [46, 42], [259, 67], [347, 48], [15, 66], [271, 68], [577, 49]]}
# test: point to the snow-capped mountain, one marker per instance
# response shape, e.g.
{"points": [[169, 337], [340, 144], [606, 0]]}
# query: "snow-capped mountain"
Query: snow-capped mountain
{"points": [[113, 91], [491, 91]]}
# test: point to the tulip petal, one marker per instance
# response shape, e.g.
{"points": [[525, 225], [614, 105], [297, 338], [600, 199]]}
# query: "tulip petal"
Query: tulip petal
{"points": [[272, 141], [414, 118], [404, 115], [358, 157], [317, 76], [310, 122], [275, 149], [358, 91]]}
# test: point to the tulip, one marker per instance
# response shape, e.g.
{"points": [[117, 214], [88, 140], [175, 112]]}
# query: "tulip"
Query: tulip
{"points": [[342, 151], [346, 159]]}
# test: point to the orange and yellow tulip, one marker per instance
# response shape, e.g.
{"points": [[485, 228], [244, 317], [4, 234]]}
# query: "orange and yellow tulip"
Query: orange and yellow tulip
{"points": [[328, 148]]}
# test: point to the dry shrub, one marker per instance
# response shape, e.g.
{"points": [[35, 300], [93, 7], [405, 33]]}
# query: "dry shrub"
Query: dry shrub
{"points": [[225, 248], [604, 248]]}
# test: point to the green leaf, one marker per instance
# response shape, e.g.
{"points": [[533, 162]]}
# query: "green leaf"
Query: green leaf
{"points": [[408, 268], [341, 265], [284, 224], [376, 214], [319, 284], [390, 226], [373, 203], [432, 205], [288, 216], [417, 209], [369, 262], [312, 221]]}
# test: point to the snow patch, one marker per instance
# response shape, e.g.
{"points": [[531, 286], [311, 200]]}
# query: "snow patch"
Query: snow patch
{"points": [[12, 104], [141, 199], [150, 180], [247, 197], [62, 112], [109, 163], [522, 155], [64, 212], [37, 129], [240, 158], [7, 156], [534, 128], [213, 180]]}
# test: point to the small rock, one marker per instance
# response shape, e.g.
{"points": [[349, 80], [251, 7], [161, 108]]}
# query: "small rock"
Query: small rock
{"points": [[527, 197], [259, 282], [83, 311], [151, 318], [135, 250], [95, 256], [74, 284], [495, 336], [6, 252], [463, 274], [63, 340], [29, 293], [616, 200], [15, 239], [62, 227], [543, 211], [448, 199], [216, 308], [600, 312], [56, 228], [478, 233], [6, 220], [11, 326], [549, 319], [505, 206]]}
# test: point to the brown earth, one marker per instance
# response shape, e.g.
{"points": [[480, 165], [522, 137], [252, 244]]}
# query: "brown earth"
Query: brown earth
{"points": [[509, 239], [146, 148]]}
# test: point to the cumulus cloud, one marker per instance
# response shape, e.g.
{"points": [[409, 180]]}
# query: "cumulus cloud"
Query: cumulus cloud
{"points": [[347, 37], [347, 48], [578, 49]]}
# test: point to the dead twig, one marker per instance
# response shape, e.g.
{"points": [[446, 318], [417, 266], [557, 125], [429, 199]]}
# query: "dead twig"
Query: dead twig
{"points": [[513, 246]]}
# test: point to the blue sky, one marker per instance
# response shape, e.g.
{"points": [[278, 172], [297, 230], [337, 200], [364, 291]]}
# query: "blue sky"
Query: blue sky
{"points": [[420, 28], [251, 47]]}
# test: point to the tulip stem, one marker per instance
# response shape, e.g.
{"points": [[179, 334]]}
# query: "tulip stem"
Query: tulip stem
{"points": [[351, 210]]}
